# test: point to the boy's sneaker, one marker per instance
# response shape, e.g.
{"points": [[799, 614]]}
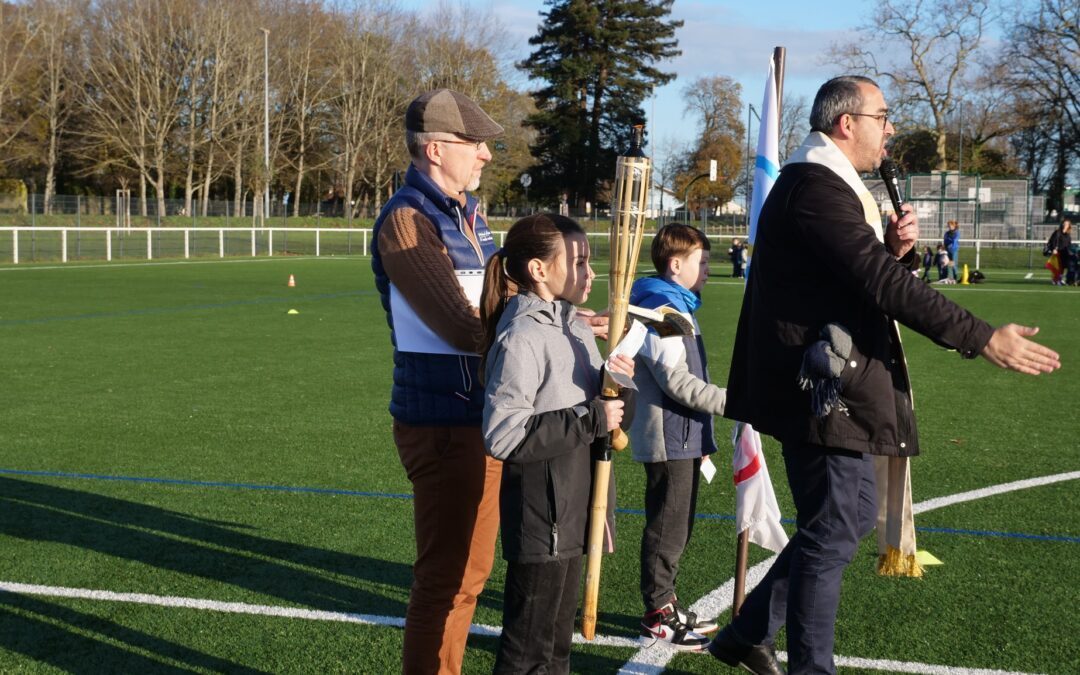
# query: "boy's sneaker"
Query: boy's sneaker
{"points": [[692, 620], [664, 625]]}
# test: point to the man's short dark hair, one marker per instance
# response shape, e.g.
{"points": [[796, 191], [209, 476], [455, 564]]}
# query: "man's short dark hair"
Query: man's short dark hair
{"points": [[676, 240], [837, 96]]}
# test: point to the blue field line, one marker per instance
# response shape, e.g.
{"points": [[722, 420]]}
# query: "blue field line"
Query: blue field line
{"points": [[994, 533], [149, 311], [397, 495]]}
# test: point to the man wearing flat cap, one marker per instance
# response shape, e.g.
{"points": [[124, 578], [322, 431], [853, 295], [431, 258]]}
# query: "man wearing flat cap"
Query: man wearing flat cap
{"points": [[430, 247]]}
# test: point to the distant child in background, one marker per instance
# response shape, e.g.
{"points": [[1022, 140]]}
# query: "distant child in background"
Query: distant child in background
{"points": [[951, 240], [927, 263], [737, 254], [672, 432], [542, 412], [943, 262]]}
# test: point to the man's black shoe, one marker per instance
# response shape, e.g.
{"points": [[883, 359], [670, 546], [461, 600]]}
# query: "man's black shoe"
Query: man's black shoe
{"points": [[757, 659]]}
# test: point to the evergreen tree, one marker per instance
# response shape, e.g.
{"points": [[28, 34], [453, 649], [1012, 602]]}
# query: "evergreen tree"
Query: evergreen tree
{"points": [[599, 59]]}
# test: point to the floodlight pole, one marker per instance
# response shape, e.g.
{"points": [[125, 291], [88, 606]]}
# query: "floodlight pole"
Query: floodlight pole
{"points": [[266, 123], [749, 162], [959, 156]]}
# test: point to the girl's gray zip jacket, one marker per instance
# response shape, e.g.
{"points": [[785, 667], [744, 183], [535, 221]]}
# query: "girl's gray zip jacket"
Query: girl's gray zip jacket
{"points": [[541, 416]]}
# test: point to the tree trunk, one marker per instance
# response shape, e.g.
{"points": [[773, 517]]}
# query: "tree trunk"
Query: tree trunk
{"points": [[299, 182], [205, 196], [142, 194], [50, 171], [238, 188], [159, 182]]}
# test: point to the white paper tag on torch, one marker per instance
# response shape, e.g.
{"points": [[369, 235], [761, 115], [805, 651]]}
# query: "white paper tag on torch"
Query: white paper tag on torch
{"points": [[632, 342]]}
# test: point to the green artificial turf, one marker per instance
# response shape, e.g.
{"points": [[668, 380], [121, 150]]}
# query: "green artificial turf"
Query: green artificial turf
{"points": [[194, 373]]}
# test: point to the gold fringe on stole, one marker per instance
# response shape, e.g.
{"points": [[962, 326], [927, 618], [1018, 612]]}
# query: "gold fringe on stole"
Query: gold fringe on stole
{"points": [[893, 563], [896, 518]]}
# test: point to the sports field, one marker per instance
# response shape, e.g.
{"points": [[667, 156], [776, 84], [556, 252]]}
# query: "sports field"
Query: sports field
{"points": [[194, 480]]}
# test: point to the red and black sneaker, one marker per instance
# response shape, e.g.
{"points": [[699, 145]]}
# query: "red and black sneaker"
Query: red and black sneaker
{"points": [[696, 624], [663, 625]]}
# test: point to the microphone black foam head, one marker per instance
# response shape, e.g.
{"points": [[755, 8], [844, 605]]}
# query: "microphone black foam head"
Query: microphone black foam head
{"points": [[887, 170]]}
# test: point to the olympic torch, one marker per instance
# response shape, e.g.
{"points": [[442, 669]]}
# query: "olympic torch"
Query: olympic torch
{"points": [[633, 176]]}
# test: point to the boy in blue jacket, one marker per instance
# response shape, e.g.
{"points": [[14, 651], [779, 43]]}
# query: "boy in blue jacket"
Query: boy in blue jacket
{"points": [[672, 432]]}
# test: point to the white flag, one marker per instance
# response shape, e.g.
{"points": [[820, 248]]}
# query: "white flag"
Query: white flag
{"points": [[767, 162], [755, 502]]}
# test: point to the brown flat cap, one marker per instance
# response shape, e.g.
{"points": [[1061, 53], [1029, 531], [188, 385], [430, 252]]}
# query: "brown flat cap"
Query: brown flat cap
{"points": [[447, 111]]}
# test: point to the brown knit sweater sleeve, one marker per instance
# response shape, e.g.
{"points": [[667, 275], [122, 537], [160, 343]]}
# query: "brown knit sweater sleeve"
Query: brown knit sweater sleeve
{"points": [[416, 262]]}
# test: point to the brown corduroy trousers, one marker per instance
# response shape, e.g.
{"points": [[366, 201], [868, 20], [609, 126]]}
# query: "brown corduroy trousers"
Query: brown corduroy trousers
{"points": [[456, 514]]}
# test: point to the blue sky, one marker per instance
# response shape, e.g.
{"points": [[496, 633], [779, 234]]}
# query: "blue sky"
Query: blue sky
{"points": [[719, 37]]}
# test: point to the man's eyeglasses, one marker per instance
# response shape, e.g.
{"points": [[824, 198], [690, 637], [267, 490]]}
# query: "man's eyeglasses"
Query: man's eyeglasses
{"points": [[881, 117], [475, 144]]}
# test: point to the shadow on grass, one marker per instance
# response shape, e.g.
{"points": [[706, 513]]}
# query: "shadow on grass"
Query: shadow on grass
{"points": [[168, 540], [77, 642], [480, 657]]}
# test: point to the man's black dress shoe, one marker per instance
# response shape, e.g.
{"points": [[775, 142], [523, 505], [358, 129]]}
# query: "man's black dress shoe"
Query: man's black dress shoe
{"points": [[757, 659]]}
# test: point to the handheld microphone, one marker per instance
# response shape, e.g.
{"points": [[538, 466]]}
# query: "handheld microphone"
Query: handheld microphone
{"points": [[892, 184]]}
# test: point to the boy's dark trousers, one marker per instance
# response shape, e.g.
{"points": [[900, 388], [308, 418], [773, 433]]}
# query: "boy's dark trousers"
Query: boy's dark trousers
{"points": [[836, 506], [539, 607], [671, 490]]}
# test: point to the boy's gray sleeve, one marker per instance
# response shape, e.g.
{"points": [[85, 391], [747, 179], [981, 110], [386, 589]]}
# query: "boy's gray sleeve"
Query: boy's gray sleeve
{"points": [[666, 360]]}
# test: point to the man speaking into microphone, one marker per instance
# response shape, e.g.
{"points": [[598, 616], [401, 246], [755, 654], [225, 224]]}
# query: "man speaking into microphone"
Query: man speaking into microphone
{"points": [[818, 364]]}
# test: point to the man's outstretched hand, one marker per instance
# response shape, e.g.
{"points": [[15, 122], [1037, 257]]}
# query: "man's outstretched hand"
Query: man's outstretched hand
{"points": [[1009, 347]]}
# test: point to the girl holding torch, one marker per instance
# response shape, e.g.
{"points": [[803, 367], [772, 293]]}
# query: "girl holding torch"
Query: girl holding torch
{"points": [[543, 415]]}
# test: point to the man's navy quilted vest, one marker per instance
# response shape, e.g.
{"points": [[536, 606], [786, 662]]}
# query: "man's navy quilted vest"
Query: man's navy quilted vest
{"points": [[435, 389]]}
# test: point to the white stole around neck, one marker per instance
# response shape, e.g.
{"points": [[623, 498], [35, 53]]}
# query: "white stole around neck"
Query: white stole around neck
{"points": [[896, 520]]}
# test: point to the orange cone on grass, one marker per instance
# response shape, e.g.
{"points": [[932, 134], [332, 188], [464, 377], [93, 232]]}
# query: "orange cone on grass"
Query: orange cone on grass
{"points": [[292, 281]]}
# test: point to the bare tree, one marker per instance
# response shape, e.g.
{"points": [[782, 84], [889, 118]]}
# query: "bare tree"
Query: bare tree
{"points": [[307, 36], [938, 39], [366, 98], [458, 47], [794, 125], [52, 86], [17, 36], [1041, 64], [669, 160], [717, 103], [240, 113], [222, 70], [137, 74]]}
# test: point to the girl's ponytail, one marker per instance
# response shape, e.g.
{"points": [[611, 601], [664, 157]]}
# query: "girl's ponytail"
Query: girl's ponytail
{"points": [[498, 289]]}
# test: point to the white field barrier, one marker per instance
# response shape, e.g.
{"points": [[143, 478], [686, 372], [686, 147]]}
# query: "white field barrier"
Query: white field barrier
{"points": [[64, 244], [51, 244]]}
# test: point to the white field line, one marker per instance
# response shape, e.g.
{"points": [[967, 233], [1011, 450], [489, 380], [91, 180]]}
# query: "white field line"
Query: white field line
{"points": [[981, 493], [261, 610], [650, 661]]}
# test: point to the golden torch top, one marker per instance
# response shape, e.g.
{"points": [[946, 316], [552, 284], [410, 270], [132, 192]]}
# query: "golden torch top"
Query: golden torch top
{"points": [[633, 176]]}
